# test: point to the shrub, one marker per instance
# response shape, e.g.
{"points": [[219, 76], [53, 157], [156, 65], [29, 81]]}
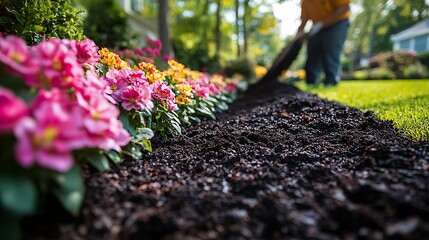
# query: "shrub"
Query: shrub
{"points": [[35, 20], [244, 66], [361, 74], [416, 71], [106, 24], [424, 58], [395, 61], [381, 73]]}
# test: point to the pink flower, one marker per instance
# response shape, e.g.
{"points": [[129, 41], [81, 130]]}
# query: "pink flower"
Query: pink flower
{"points": [[116, 81], [154, 43], [87, 52], [156, 52], [231, 87], [49, 138], [12, 109], [202, 92], [165, 58], [58, 65], [100, 120], [213, 89], [137, 98], [163, 93], [14, 54]]}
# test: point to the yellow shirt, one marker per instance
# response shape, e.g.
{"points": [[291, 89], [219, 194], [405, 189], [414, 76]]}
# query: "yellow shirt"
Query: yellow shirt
{"points": [[317, 10]]}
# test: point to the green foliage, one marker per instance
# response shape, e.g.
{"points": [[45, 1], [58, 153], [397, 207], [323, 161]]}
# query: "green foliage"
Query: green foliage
{"points": [[22, 189], [424, 58], [34, 20], [69, 189], [243, 66], [381, 73], [416, 71], [402, 101], [396, 61], [106, 24], [196, 57]]}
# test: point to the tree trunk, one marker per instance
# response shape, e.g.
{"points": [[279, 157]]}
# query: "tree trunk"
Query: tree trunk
{"points": [[164, 28], [218, 33], [237, 26], [245, 27]]}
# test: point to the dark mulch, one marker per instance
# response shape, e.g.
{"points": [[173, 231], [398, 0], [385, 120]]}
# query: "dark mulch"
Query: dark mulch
{"points": [[280, 164]]}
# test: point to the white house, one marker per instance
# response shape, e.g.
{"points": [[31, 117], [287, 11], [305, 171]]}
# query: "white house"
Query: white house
{"points": [[415, 38], [143, 28]]}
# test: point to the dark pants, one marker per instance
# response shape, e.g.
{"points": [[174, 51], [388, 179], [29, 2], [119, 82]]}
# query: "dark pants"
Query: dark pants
{"points": [[323, 51]]}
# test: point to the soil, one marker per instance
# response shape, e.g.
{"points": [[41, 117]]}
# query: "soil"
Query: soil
{"points": [[280, 164]]}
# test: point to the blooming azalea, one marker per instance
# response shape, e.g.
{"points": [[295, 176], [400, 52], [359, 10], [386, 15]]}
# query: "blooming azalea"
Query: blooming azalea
{"points": [[100, 120], [87, 52], [12, 109], [15, 56], [163, 93], [58, 66], [49, 138], [138, 98]]}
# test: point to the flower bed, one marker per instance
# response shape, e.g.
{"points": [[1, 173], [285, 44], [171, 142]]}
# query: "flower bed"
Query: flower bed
{"points": [[63, 103]]}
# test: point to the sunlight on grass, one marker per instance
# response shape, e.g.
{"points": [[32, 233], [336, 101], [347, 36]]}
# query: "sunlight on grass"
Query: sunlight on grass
{"points": [[405, 102]]}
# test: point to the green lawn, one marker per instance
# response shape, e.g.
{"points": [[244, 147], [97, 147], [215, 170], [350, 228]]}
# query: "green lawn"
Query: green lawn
{"points": [[405, 102]]}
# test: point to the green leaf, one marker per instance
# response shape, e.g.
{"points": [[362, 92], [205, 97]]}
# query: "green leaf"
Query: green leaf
{"points": [[146, 145], [18, 194], [133, 151], [114, 156], [176, 127], [10, 226], [127, 124], [99, 161], [144, 133], [70, 190]]}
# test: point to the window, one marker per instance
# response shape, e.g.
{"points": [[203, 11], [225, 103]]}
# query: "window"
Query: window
{"points": [[405, 44], [136, 5], [421, 43]]}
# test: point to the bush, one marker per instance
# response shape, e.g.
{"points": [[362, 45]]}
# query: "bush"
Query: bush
{"points": [[381, 73], [396, 61], [34, 20], [424, 58], [244, 66], [416, 71], [106, 23], [361, 74]]}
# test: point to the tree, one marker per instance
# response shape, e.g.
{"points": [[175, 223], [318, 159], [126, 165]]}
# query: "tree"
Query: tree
{"points": [[164, 27], [106, 25]]}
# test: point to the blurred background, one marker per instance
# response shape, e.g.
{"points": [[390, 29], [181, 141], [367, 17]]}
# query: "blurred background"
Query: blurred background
{"points": [[387, 39]]}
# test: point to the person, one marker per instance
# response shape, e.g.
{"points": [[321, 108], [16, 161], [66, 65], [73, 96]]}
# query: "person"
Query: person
{"points": [[325, 40]]}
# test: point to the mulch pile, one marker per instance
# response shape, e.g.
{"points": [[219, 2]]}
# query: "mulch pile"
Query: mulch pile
{"points": [[280, 164]]}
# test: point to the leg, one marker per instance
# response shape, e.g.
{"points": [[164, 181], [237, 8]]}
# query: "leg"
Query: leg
{"points": [[333, 43], [313, 64]]}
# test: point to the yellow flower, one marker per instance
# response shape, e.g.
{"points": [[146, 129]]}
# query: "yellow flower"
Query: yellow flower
{"points": [[112, 60], [180, 99], [184, 89], [195, 75], [301, 74], [218, 81], [151, 72], [176, 66], [260, 71]]}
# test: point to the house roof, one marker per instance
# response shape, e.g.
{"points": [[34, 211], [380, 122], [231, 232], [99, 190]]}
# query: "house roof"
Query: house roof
{"points": [[416, 30]]}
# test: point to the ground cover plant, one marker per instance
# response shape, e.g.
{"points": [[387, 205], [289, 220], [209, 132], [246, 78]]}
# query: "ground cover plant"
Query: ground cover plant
{"points": [[405, 102]]}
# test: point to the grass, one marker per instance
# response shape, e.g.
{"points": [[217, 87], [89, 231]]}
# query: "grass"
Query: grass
{"points": [[405, 102]]}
